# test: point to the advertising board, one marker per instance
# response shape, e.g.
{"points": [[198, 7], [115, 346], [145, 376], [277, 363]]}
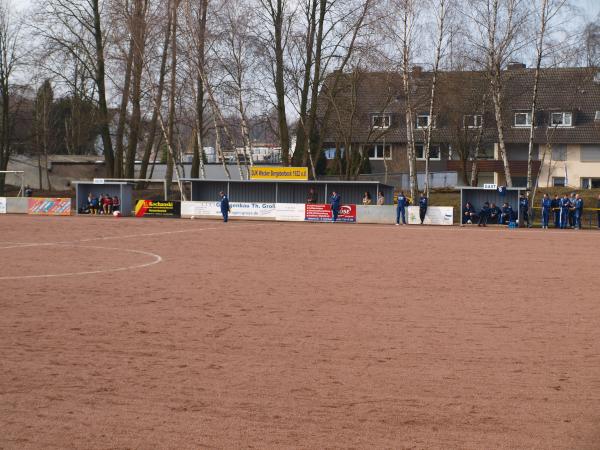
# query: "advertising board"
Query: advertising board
{"points": [[150, 208], [49, 206], [323, 213]]}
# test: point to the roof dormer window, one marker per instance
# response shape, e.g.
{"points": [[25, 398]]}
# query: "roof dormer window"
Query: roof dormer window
{"points": [[423, 121], [561, 119], [473, 121], [381, 121], [523, 119]]}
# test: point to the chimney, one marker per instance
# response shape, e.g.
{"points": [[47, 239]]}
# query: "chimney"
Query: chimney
{"points": [[515, 65], [417, 70]]}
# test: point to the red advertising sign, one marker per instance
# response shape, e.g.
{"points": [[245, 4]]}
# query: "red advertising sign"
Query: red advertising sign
{"points": [[323, 213]]}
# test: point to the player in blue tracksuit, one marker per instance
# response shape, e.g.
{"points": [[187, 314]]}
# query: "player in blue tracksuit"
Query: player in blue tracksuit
{"points": [[578, 211], [524, 209], [546, 208], [507, 214], [401, 209], [565, 205], [422, 207], [336, 200], [555, 205], [225, 209]]}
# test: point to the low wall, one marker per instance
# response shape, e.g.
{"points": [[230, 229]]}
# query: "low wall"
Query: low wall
{"points": [[376, 214], [385, 214], [34, 205], [14, 205]]}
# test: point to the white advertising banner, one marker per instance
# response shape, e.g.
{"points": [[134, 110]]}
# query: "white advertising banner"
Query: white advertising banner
{"points": [[436, 215], [213, 209], [2, 205], [291, 212]]}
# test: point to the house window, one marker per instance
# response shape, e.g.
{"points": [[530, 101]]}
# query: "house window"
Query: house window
{"points": [[434, 152], [379, 151], [473, 121], [590, 153], [590, 183], [423, 121], [523, 119], [559, 152], [381, 121], [561, 119], [558, 181]]}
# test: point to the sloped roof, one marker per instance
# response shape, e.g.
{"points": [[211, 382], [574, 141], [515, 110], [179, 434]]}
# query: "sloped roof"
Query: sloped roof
{"points": [[348, 101]]}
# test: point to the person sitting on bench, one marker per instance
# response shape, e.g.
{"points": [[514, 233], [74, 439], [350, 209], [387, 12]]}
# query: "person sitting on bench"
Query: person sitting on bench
{"points": [[507, 214], [469, 214], [494, 214]]}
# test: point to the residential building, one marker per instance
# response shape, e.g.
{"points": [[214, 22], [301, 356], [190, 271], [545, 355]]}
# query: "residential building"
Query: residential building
{"points": [[366, 112]]}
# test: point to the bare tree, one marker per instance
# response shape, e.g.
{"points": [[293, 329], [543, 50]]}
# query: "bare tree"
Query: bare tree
{"points": [[278, 18], [10, 42], [441, 13], [544, 12], [75, 29], [497, 36]]}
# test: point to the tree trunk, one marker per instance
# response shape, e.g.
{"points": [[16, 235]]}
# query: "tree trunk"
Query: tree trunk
{"points": [[500, 128], [120, 137], [173, 88], [150, 142], [139, 44], [284, 136], [100, 75]]}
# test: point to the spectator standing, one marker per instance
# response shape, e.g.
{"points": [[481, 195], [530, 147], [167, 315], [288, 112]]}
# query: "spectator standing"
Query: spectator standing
{"points": [[336, 200], [555, 205], [524, 209], [401, 210], [546, 208], [572, 200], [311, 197], [422, 207], [225, 209], [578, 211], [380, 199], [88, 203], [28, 191], [469, 213], [565, 205], [367, 199]]}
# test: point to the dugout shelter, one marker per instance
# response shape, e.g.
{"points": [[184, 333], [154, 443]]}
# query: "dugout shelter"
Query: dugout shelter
{"points": [[477, 196], [122, 189], [275, 191]]}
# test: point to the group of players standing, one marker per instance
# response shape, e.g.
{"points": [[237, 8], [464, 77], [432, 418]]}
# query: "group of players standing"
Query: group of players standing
{"points": [[567, 212]]}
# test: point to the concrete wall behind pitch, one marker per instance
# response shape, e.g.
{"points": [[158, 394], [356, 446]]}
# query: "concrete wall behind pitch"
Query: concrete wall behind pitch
{"points": [[376, 214], [17, 205]]}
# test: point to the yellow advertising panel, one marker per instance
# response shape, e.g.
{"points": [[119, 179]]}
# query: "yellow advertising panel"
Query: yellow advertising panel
{"points": [[278, 173]]}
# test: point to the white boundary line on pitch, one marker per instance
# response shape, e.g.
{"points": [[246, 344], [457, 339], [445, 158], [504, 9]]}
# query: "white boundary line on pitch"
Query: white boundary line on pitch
{"points": [[156, 260]]}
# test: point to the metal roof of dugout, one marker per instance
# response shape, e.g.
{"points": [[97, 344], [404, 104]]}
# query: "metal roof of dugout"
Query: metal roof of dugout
{"points": [[286, 191]]}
